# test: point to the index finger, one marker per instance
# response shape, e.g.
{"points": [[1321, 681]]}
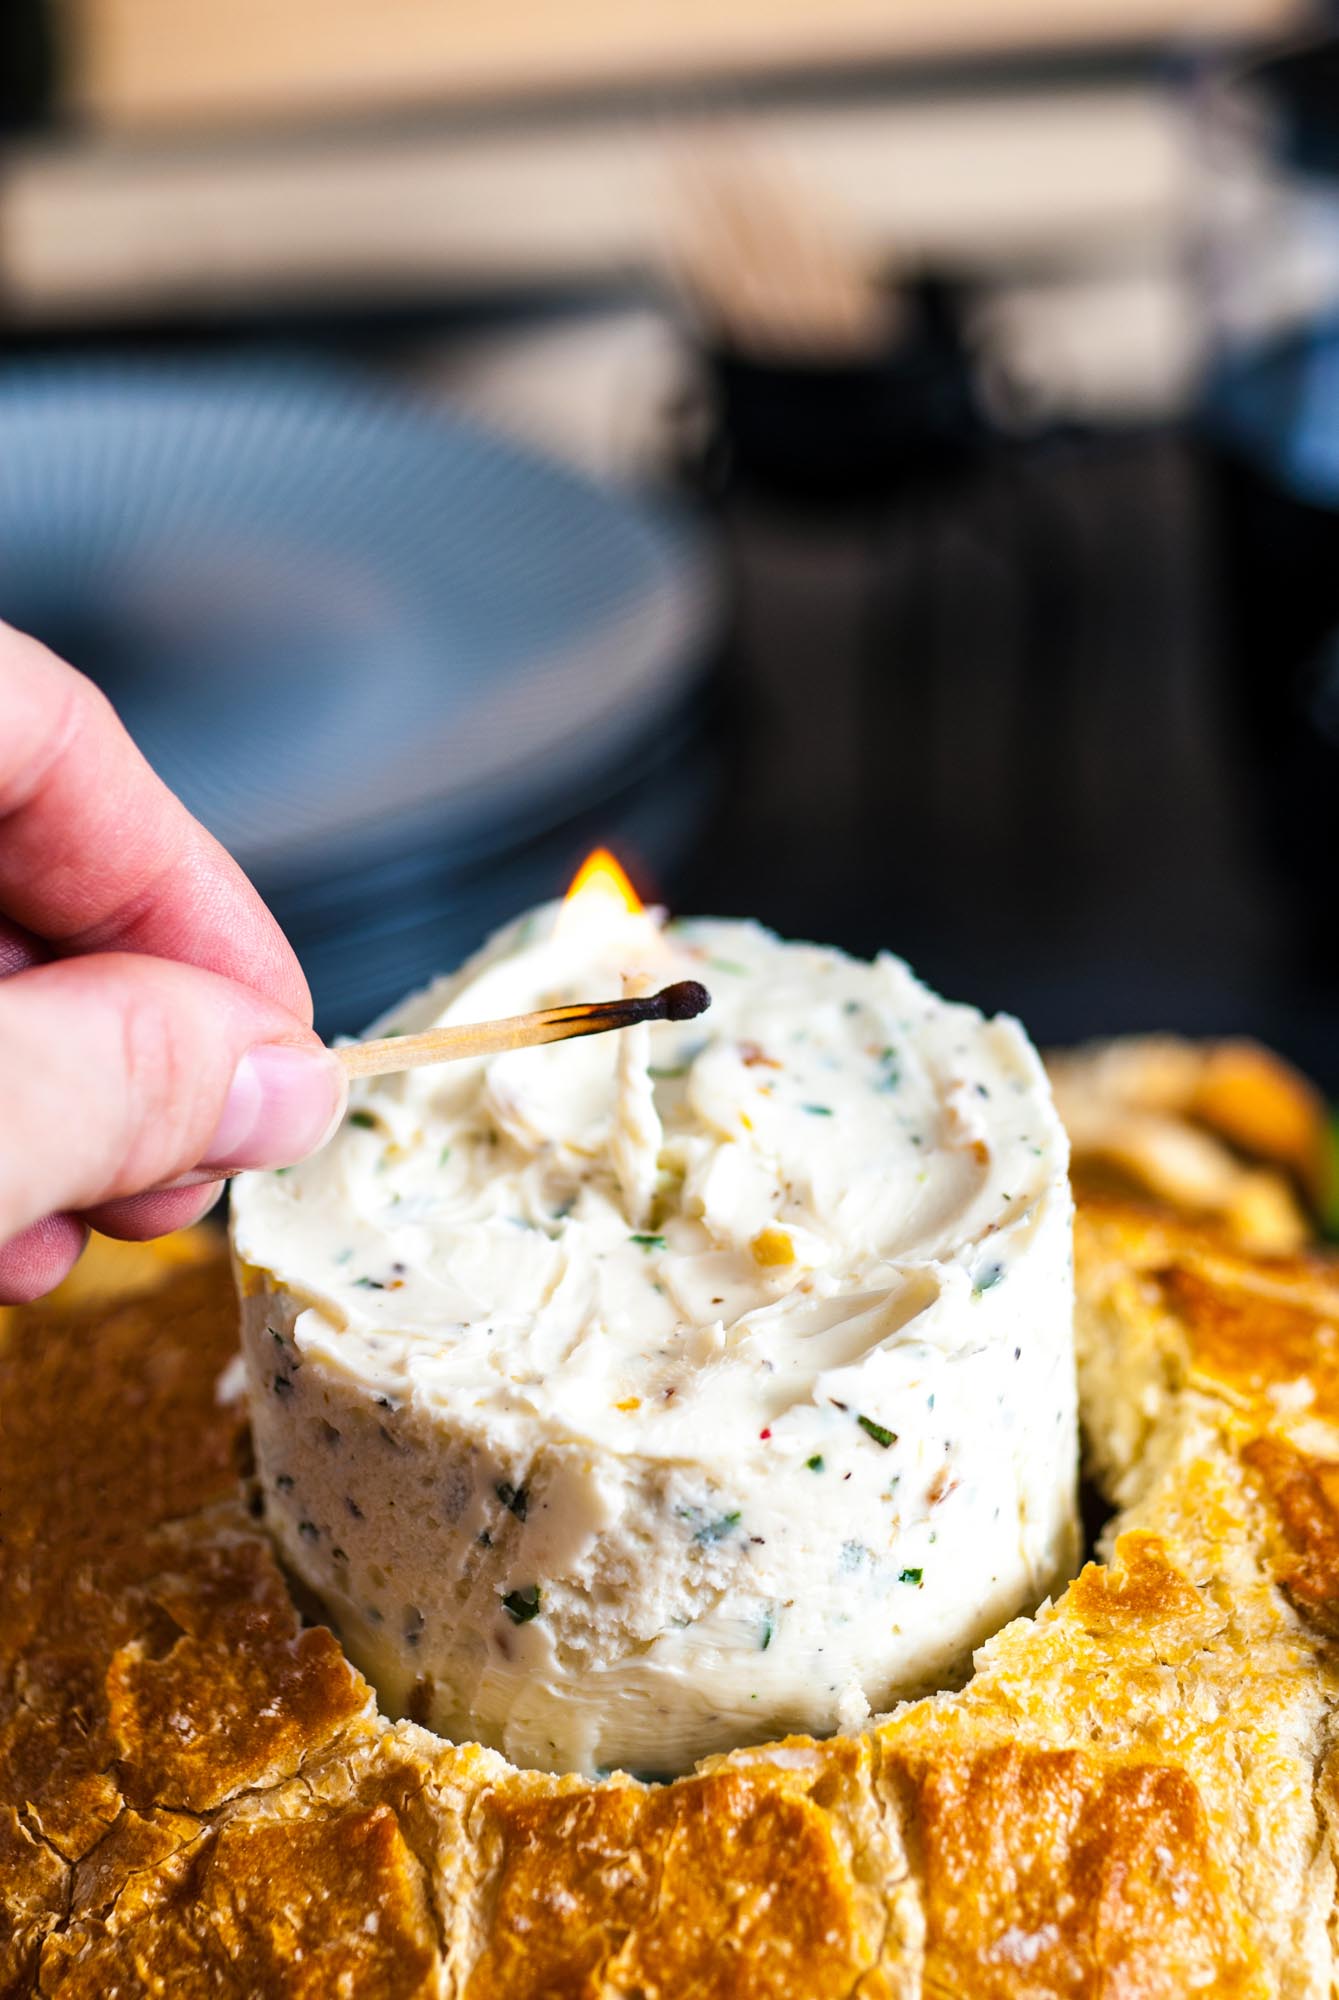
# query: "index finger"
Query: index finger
{"points": [[96, 854]]}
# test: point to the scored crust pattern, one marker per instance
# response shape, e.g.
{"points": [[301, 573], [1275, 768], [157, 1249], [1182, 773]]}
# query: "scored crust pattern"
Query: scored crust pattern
{"points": [[1131, 1797]]}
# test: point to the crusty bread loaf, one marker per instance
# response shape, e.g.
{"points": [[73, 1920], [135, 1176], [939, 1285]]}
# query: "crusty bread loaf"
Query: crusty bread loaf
{"points": [[1131, 1797], [1226, 1131]]}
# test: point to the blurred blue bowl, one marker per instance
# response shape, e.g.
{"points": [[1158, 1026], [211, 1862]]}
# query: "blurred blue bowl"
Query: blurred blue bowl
{"points": [[395, 663]]}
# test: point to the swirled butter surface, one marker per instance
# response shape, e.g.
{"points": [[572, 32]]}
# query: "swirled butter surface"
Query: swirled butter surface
{"points": [[634, 1397]]}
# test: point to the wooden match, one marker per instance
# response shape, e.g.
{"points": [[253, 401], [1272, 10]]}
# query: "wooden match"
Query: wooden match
{"points": [[683, 1001]]}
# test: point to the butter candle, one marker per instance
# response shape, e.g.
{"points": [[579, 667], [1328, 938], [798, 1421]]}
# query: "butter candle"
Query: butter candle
{"points": [[627, 1400]]}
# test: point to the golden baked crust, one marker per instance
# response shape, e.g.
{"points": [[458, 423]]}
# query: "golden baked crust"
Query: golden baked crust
{"points": [[1225, 1131], [1131, 1797]]}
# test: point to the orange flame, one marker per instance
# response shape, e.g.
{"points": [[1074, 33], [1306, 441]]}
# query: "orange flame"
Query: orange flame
{"points": [[600, 884]]}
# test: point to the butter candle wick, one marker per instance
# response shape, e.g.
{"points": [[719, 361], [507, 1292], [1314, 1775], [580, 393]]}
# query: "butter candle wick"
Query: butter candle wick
{"points": [[636, 1137]]}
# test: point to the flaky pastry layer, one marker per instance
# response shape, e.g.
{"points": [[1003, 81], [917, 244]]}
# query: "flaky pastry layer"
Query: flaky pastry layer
{"points": [[1131, 1797]]}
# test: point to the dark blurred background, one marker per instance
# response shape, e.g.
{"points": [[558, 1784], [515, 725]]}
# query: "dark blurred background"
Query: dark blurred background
{"points": [[876, 467]]}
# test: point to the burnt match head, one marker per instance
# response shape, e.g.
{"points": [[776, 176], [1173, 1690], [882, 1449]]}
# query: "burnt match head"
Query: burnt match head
{"points": [[683, 1001]]}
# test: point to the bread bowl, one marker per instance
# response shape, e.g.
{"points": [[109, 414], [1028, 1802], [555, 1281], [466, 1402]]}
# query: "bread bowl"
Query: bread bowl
{"points": [[1131, 1795]]}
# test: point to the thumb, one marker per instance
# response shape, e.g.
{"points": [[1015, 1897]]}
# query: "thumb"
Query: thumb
{"points": [[119, 1072]]}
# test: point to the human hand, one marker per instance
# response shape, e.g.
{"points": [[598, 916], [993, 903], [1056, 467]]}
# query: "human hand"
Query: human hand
{"points": [[155, 1027]]}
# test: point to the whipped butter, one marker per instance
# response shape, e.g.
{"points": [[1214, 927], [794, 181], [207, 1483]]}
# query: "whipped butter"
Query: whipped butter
{"points": [[631, 1398]]}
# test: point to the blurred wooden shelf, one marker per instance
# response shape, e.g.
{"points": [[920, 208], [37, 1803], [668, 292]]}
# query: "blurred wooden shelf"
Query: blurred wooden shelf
{"points": [[137, 64], [145, 230]]}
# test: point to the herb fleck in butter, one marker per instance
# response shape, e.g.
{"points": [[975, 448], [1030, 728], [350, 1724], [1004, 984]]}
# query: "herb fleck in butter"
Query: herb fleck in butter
{"points": [[515, 1499], [714, 1529], [878, 1432]]}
